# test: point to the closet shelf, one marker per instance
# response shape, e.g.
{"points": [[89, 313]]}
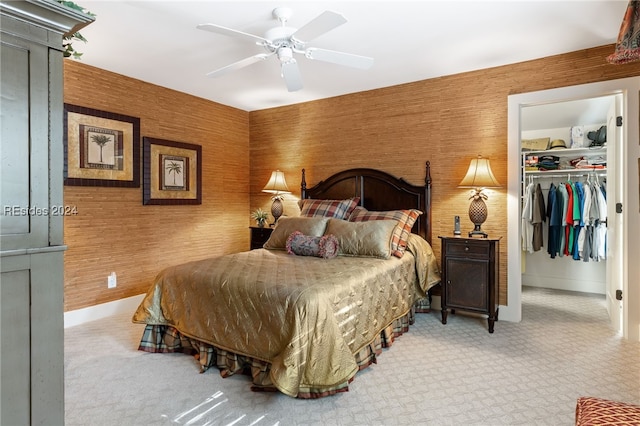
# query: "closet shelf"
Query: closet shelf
{"points": [[568, 151]]}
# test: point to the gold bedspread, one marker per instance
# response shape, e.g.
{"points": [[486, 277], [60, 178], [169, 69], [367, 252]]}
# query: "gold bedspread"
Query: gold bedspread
{"points": [[306, 316]]}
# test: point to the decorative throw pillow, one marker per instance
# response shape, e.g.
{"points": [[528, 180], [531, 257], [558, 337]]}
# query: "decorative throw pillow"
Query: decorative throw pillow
{"points": [[285, 226], [305, 245], [339, 209], [357, 211], [366, 239], [405, 219]]}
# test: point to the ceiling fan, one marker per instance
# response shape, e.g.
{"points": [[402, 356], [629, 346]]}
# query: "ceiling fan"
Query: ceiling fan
{"points": [[283, 42]]}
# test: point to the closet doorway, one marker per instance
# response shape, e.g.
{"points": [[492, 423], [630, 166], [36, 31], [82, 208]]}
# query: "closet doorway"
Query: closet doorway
{"points": [[566, 261], [555, 114]]}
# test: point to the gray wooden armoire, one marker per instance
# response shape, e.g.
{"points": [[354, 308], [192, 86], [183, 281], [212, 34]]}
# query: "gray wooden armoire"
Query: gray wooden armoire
{"points": [[31, 233]]}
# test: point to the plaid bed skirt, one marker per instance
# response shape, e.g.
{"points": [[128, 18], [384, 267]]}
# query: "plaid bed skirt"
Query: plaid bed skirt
{"points": [[164, 339]]}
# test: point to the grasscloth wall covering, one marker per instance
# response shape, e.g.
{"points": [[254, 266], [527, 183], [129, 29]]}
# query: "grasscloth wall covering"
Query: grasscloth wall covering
{"points": [[446, 120], [113, 231]]}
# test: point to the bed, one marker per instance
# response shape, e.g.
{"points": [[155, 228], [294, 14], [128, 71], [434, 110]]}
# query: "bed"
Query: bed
{"points": [[328, 291]]}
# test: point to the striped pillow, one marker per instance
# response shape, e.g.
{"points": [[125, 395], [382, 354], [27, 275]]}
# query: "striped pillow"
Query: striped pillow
{"points": [[405, 218], [339, 209]]}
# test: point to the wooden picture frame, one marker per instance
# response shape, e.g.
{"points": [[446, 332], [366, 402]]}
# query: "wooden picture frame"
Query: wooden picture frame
{"points": [[100, 148], [172, 172]]}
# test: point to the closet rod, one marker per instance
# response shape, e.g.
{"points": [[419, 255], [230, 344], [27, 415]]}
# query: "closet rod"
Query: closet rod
{"points": [[574, 174]]}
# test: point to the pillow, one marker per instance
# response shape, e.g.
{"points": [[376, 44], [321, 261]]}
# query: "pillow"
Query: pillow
{"points": [[285, 226], [305, 245], [357, 211], [366, 239], [405, 218], [340, 209]]}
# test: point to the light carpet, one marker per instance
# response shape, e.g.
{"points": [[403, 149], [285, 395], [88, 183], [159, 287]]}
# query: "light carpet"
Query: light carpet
{"points": [[527, 373]]}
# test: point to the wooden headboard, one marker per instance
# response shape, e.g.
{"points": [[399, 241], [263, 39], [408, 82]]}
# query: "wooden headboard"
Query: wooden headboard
{"points": [[378, 191]]}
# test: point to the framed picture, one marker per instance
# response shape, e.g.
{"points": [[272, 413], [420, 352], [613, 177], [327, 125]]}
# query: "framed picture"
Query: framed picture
{"points": [[172, 172], [100, 148]]}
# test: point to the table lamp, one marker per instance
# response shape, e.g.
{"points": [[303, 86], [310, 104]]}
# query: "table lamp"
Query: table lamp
{"points": [[277, 186], [478, 177]]}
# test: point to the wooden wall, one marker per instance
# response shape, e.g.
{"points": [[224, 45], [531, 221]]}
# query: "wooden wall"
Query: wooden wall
{"points": [[447, 121], [113, 231]]}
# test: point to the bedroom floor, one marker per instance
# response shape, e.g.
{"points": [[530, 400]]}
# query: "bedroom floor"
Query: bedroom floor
{"points": [[456, 374]]}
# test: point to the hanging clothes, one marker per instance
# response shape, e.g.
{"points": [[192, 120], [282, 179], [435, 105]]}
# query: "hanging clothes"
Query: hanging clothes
{"points": [[527, 219], [554, 214], [600, 231], [563, 202], [579, 223], [577, 217], [585, 238], [539, 216], [568, 221], [574, 212], [595, 230]]}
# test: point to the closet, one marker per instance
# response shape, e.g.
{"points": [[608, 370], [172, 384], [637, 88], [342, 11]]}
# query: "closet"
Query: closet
{"points": [[564, 164], [616, 104]]}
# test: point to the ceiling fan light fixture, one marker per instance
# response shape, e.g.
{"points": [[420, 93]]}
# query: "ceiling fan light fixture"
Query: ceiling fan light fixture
{"points": [[285, 54]]}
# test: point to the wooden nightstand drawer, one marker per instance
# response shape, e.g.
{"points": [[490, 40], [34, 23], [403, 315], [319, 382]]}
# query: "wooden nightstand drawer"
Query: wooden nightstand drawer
{"points": [[467, 247], [259, 236]]}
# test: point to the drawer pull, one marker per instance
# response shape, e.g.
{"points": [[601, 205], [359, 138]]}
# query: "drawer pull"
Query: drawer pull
{"points": [[466, 248]]}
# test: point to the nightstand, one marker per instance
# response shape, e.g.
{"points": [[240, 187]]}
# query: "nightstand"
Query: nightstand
{"points": [[470, 276], [259, 236]]}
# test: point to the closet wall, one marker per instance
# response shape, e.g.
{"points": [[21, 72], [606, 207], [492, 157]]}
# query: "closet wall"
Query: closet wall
{"points": [[540, 268]]}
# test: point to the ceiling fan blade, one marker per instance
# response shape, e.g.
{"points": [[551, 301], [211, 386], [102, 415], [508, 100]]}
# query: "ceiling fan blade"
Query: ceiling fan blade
{"points": [[240, 64], [340, 58], [323, 23], [233, 33], [291, 75]]}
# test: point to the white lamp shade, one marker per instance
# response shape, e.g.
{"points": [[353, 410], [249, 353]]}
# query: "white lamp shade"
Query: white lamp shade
{"points": [[479, 175], [277, 184]]}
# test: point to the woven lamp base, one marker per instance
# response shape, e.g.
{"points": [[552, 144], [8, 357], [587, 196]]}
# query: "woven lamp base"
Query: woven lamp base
{"points": [[276, 209], [478, 215]]}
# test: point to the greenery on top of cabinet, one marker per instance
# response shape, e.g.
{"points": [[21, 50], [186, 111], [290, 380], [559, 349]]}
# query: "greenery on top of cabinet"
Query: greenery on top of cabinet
{"points": [[68, 39]]}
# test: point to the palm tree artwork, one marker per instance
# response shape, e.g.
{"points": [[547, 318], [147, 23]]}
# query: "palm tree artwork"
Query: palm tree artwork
{"points": [[100, 140], [175, 168]]}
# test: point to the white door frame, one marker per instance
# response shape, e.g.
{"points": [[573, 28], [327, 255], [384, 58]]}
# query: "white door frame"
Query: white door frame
{"points": [[615, 221], [630, 89]]}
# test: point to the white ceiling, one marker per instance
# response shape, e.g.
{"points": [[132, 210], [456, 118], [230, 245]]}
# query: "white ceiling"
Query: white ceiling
{"points": [[566, 113], [157, 42]]}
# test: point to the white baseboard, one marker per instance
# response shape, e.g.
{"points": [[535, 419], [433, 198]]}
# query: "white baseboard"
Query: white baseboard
{"points": [[92, 313], [582, 285]]}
